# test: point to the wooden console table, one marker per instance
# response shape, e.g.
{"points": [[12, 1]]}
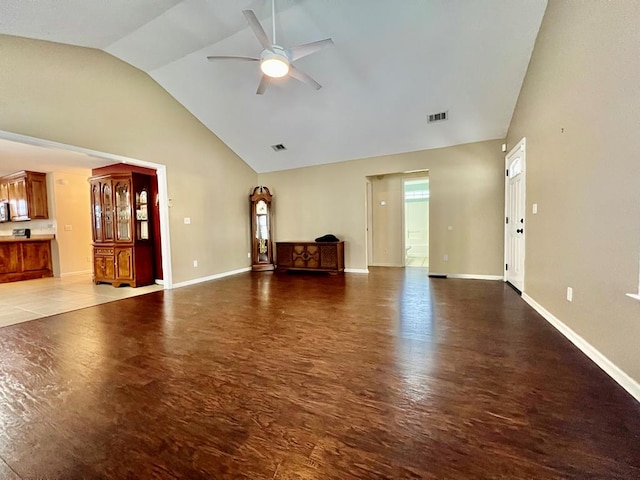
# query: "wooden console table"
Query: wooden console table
{"points": [[312, 256]]}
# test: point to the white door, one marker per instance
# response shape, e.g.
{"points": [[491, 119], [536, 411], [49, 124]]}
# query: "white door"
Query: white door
{"points": [[515, 209]]}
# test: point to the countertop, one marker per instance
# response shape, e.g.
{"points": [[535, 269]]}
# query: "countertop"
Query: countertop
{"points": [[34, 238]]}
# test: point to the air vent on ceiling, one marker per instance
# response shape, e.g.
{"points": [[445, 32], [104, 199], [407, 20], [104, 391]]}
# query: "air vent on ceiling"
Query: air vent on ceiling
{"points": [[438, 117], [279, 147]]}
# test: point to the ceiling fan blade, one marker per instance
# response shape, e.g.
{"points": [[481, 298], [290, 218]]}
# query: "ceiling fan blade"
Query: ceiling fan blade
{"points": [[214, 58], [258, 31], [264, 83], [300, 51], [303, 77]]}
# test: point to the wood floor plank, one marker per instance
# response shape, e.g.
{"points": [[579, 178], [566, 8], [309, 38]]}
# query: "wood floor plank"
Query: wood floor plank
{"points": [[390, 375]]}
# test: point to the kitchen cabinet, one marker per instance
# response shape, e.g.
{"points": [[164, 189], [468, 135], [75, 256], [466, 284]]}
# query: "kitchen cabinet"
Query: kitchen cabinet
{"points": [[4, 190], [27, 195], [122, 235], [25, 259]]}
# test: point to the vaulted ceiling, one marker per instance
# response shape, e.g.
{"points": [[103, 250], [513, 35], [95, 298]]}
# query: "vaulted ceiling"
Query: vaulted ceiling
{"points": [[393, 63]]}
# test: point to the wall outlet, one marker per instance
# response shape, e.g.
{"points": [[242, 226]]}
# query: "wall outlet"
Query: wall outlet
{"points": [[446, 257], [534, 208], [569, 294], [68, 228], [248, 254], [187, 220], [195, 263]]}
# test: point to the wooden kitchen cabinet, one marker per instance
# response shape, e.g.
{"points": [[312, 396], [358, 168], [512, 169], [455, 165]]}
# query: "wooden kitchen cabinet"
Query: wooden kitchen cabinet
{"points": [[25, 259], [122, 235], [4, 190], [27, 195]]}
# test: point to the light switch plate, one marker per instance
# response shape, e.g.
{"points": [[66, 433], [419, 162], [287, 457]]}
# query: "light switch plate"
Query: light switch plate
{"points": [[187, 220]]}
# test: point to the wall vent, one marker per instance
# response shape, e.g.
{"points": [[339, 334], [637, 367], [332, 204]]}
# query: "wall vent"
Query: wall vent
{"points": [[279, 147], [437, 117]]}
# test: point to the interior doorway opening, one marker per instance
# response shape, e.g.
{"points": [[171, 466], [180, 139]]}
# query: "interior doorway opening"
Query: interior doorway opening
{"points": [[397, 219], [87, 157], [416, 221]]}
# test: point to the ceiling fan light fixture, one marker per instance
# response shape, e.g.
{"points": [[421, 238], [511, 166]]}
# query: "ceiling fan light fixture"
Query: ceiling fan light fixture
{"points": [[274, 64]]}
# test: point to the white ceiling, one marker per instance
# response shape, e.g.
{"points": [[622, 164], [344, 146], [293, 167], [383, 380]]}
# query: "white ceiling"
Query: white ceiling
{"points": [[16, 156], [393, 63]]}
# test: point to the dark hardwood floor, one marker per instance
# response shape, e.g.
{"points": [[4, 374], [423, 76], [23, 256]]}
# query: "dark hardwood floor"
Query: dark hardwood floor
{"points": [[284, 376]]}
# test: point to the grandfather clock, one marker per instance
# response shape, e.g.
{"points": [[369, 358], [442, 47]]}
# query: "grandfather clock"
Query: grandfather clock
{"points": [[261, 245]]}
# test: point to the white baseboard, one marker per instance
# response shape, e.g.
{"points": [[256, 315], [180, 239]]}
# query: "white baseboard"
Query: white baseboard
{"points": [[633, 295], [211, 277], [73, 274], [610, 368], [356, 270], [471, 276]]}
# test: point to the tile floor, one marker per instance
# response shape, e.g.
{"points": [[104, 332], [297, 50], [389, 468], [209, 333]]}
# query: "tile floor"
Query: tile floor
{"points": [[411, 261], [31, 299]]}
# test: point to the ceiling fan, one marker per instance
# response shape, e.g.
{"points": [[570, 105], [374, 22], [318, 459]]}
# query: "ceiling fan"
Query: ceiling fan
{"points": [[275, 60]]}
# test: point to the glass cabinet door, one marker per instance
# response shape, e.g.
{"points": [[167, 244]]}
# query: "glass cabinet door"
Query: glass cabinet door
{"points": [[107, 211], [123, 211], [96, 208], [142, 215]]}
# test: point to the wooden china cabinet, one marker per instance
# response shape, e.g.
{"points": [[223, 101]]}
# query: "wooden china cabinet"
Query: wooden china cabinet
{"points": [[122, 243]]}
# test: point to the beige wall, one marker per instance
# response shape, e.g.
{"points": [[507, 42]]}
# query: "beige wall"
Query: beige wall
{"points": [[579, 109], [71, 209], [90, 99], [386, 224], [466, 190]]}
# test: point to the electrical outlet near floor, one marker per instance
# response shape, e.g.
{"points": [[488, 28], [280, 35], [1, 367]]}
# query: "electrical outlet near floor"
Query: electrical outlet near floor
{"points": [[446, 257], [195, 263], [569, 294]]}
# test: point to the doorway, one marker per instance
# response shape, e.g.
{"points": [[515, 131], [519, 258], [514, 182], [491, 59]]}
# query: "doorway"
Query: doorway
{"points": [[515, 213], [106, 158], [416, 222], [397, 219]]}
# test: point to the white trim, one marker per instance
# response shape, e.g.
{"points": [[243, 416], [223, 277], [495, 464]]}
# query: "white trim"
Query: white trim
{"points": [[395, 265], [356, 270], [74, 274], [211, 277], [610, 368], [633, 295], [469, 276], [521, 145], [161, 173], [473, 276], [159, 281], [165, 238]]}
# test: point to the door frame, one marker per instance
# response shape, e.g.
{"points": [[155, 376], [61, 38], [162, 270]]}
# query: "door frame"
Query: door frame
{"points": [[522, 146]]}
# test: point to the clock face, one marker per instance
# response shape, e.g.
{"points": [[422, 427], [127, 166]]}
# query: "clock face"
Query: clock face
{"points": [[261, 207]]}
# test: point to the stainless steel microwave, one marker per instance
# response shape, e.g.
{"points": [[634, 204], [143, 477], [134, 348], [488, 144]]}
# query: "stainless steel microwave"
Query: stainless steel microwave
{"points": [[4, 212]]}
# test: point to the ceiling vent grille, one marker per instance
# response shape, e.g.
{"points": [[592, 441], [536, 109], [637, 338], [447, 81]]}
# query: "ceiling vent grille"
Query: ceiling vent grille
{"points": [[438, 117], [279, 147]]}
